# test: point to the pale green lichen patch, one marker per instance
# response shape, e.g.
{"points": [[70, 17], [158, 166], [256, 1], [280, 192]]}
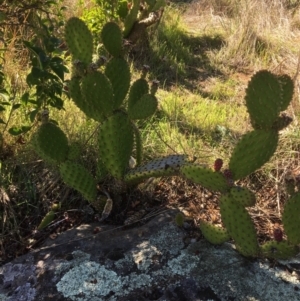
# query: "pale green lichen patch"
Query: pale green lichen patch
{"points": [[220, 268]]}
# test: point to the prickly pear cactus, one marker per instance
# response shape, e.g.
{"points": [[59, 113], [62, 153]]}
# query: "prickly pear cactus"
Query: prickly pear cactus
{"points": [[291, 219], [79, 39], [252, 151], [111, 35], [79, 178], [279, 250], [239, 226], [116, 144], [206, 177], [51, 143], [214, 234], [166, 166], [243, 196]]}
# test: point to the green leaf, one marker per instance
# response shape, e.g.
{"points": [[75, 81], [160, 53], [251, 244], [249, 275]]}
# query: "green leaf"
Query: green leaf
{"points": [[16, 106], [15, 131]]}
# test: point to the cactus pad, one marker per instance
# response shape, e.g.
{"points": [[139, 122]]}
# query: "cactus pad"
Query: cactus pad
{"points": [[205, 176], [74, 151], [278, 250], [143, 108], [214, 234], [111, 36], [138, 89], [252, 151], [118, 72], [239, 226], [291, 219], [131, 17], [98, 93], [77, 177], [49, 217], [243, 196], [160, 167], [263, 99], [79, 40], [116, 143], [287, 88], [51, 142]]}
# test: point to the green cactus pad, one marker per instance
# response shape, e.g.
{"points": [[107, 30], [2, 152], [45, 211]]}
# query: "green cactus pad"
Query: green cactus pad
{"points": [[291, 219], [116, 143], [239, 225], [101, 171], [278, 250], [214, 234], [79, 40], [252, 152], [98, 93], [263, 99], [52, 142], [131, 18], [111, 36], [166, 166], [287, 88], [49, 217], [138, 89], [138, 144], [243, 196], [74, 151], [143, 108], [122, 9], [118, 72], [79, 178], [75, 93], [205, 177]]}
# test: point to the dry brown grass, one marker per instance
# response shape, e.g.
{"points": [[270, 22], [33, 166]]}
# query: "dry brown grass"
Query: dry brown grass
{"points": [[258, 34]]}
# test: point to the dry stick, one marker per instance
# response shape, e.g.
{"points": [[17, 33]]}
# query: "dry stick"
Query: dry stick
{"points": [[93, 235], [277, 188]]}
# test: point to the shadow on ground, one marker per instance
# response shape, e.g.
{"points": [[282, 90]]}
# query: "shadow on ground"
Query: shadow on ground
{"points": [[178, 58]]}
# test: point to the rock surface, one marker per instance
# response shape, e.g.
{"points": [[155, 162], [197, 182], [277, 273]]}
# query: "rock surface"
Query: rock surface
{"points": [[147, 262]]}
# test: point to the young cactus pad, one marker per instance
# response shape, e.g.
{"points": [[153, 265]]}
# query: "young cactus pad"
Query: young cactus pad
{"points": [[205, 176], [243, 196], [287, 88], [263, 99], [214, 234], [116, 143], [90, 111], [77, 177], [98, 93], [252, 151], [279, 250], [118, 72], [167, 166], [51, 142], [291, 219], [111, 36], [239, 226], [131, 18], [79, 40], [144, 107], [139, 88]]}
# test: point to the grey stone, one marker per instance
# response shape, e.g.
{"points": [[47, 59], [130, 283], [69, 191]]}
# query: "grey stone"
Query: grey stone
{"points": [[147, 262]]}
